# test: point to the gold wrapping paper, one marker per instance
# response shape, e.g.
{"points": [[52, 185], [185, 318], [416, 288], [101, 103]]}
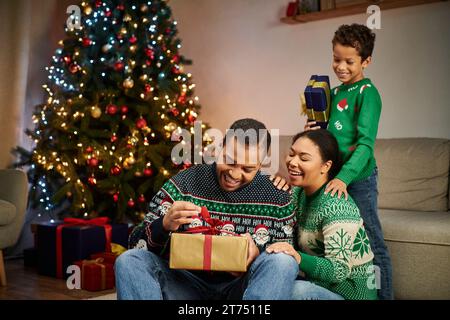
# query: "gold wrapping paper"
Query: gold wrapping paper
{"points": [[227, 253]]}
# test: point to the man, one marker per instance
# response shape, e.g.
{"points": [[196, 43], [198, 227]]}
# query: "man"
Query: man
{"points": [[233, 190]]}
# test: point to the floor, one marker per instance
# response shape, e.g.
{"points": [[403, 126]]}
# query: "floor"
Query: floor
{"points": [[26, 283]]}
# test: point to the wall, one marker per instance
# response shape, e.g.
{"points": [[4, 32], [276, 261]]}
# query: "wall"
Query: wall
{"points": [[247, 63]]}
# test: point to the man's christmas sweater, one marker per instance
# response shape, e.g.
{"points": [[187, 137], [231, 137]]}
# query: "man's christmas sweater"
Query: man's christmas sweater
{"points": [[354, 116], [334, 247], [257, 208]]}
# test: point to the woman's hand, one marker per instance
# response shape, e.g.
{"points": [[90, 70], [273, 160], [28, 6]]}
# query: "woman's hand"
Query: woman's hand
{"points": [[338, 186], [311, 125], [286, 248], [280, 183]]}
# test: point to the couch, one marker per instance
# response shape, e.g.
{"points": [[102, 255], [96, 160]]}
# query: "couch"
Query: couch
{"points": [[414, 203], [13, 203]]}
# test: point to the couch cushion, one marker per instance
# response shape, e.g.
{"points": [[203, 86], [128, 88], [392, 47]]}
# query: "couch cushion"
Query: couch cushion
{"points": [[416, 226], [7, 212], [413, 173]]}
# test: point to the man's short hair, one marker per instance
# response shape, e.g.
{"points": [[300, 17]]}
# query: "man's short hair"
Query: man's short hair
{"points": [[249, 126]]}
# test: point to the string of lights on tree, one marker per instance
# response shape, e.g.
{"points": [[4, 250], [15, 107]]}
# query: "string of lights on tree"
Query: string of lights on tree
{"points": [[116, 92]]}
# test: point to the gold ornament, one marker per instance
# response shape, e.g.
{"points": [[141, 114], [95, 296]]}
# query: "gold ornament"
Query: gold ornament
{"points": [[96, 112], [130, 160], [128, 83], [144, 8], [123, 30], [88, 10], [133, 48], [126, 18], [143, 78], [138, 174], [171, 126]]}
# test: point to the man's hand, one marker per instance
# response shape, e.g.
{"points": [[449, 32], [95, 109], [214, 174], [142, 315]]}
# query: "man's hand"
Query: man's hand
{"points": [[180, 213], [280, 183], [285, 248], [338, 186], [253, 253], [311, 125]]}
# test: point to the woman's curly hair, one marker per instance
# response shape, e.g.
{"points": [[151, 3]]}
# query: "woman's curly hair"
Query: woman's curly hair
{"points": [[357, 36]]}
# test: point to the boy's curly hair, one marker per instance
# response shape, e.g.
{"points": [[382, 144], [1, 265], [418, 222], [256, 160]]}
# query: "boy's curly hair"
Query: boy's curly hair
{"points": [[357, 36]]}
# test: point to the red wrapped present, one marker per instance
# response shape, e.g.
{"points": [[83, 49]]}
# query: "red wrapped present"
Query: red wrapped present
{"points": [[96, 275]]}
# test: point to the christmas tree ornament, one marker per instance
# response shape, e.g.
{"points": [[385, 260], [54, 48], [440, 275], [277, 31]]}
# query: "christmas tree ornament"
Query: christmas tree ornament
{"points": [[86, 42], [143, 78], [148, 172], [67, 59], [141, 123], [124, 109], [115, 170], [73, 68], [120, 7], [149, 53], [92, 162], [131, 160], [96, 112], [126, 165], [171, 126], [68, 194], [132, 49], [130, 203], [89, 149], [128, 83], [144, 8], [115, 197], [111, 109], [123, 31], [119, 65], [141, 198], [132, 39], [108, 13], [92, 181], [114, 138], [192, 118], [138, 174], [126, 18], [88, 10], [148, 88], [175, 112], [98, 3]]}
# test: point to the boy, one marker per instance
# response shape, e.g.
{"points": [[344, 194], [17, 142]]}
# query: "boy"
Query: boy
{"points": [[354, 116]]}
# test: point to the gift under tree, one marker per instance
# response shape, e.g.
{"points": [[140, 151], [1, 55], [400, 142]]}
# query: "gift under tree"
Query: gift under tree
{"points": [[116, 92]]}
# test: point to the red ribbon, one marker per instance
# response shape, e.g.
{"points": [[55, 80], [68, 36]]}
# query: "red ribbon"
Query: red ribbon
{"points": [[102, 222], [207, 250]]}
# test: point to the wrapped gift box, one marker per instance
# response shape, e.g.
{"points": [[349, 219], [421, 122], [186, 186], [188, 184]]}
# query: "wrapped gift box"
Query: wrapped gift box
{"points": [[78, 242], [208, 252], [318, 100], [96, 275]]}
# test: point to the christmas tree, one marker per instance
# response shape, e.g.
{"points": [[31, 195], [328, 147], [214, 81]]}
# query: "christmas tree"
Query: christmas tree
{"points": [[116, 92]]}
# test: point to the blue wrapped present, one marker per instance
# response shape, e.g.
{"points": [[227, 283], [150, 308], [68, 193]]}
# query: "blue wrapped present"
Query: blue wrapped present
{"points": [[78, 242], [317, 100]]}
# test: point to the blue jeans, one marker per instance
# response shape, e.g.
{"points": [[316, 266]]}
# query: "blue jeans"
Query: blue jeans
{"points": [[306, 290], [365, 195], [143, 275]]}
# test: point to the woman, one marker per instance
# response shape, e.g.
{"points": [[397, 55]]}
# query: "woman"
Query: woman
{"points": [[335, 255]]}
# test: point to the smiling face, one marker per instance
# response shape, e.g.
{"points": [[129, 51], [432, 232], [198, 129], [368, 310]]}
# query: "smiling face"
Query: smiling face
{"points": [[347, 64], [237, 165], [305, 165]]}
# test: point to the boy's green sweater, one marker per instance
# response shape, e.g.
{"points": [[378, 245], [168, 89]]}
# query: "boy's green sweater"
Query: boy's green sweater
{"points": [[335, 250], [354, 116]]}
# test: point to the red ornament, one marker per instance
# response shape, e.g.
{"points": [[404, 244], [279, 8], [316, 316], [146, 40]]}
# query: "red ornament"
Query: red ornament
{"points": [[174, 111], [124, 109], [176, 58], [87, 42], [175, 70], [149, 53], [115, 170], [89, 149], [119, 65], [108, 13], [148, 172], [168, 30], [92, 162], [141, 123], [129, 146], [182, 99], [67, 59], [114, 138], [92, 181], [116, 197], [141, 198], [98, 3], [73, 68], [111, 109], [147, 88], [133, 39], [130, 203], [148, 63], [120, 7], [191, 118]]}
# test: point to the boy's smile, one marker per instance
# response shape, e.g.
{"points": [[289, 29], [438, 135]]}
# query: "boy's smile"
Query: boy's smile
{"points": [[347, 64]]}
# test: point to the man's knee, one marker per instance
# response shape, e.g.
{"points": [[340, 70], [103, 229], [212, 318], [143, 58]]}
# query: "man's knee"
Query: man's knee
{"points": [[278, 261], [130, 258]]}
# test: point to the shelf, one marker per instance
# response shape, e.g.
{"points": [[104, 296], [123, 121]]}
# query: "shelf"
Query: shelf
{"points": [[353, 9]]}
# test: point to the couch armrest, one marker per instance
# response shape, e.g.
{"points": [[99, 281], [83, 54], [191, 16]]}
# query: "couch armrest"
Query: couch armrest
{"points": [[14, 188]]}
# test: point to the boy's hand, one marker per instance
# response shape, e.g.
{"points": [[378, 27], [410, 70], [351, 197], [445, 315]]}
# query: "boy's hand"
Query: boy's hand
{"points": [[280, 183], [286, 248], [338, 186], [180, 213], [311, 125]]}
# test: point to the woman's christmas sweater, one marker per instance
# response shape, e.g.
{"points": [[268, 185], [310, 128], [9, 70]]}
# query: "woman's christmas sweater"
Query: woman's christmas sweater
{"points": [[354, 116], [257, 208], [334, 247]]}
